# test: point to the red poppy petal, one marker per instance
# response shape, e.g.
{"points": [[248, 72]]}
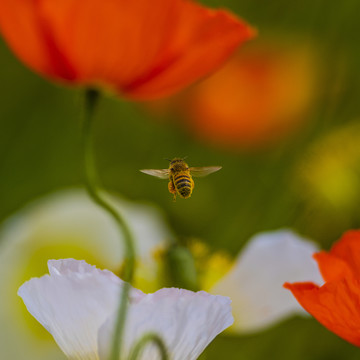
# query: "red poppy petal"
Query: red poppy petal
{"points": [[335, 305], [112, 43], [331, 267], [348, 249], [19, 24], [202, 41]]}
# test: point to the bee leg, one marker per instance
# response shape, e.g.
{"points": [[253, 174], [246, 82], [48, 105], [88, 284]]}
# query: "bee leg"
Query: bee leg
{"points": [[172, 189]]}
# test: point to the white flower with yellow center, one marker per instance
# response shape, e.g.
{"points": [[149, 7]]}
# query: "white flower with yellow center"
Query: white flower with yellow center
{"points": [[77, 304], [61, 225]]}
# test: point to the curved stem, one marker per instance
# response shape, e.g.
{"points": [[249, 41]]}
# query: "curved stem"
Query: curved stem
{"points": [[147, 338], [91, 100]]}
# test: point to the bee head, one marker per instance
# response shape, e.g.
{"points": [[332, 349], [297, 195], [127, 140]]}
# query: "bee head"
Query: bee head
{"points": [[178, 164]]}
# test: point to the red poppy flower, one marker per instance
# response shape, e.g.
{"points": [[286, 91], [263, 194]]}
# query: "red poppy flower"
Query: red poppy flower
{"points": [[336, 304], [140, 48]]}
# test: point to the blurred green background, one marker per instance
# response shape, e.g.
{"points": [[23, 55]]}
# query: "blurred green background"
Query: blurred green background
{"points": [[256, 190]]}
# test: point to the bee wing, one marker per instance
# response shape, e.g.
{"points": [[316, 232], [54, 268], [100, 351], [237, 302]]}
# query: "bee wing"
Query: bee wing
{"points": [[203, 171], [160, 173]]}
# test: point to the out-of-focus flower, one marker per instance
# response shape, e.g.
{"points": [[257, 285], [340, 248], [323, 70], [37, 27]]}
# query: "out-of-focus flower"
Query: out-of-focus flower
{"points": [[67, 224], [260, 95], [254, 281], [141, 49], [327, 181], [77, 304], [328, 174], [336, 303]]}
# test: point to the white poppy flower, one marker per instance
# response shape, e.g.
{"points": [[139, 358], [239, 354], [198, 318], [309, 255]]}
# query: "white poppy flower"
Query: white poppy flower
{"points": [[67, 224], [255, 282], [77, 304]]}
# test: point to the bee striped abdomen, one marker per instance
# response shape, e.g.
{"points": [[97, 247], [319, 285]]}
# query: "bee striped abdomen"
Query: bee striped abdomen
{"points": [[183, 184]]}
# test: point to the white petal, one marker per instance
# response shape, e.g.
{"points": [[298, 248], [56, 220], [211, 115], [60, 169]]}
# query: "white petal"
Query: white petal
{"points": [[72, 303], [255, 282], [186, 321]]}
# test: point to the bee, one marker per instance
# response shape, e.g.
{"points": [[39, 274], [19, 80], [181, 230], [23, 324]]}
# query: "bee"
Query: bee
{"points": [[180, 176]]}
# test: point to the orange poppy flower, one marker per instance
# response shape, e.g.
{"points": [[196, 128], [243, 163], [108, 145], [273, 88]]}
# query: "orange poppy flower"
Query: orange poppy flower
{"points": [[142, 49], [336, 304], [263, 94], [260, 95]]}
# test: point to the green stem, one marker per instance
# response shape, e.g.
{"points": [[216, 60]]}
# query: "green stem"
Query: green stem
{"points": [[91, 100], [140, 345]]}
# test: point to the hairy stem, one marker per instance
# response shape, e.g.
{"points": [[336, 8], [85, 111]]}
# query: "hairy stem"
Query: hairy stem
{"points": [[93, 189]]}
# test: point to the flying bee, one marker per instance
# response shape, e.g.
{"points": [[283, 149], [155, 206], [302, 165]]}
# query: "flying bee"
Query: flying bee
{"points": [[180, 176]]}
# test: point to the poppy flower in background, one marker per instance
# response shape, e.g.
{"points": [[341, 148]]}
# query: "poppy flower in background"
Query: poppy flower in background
{"points": [[262, 94], [68, 224], [254, 282], [77, 304], [336, 303], [141, 49], [328, 174], [253, 279]]}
